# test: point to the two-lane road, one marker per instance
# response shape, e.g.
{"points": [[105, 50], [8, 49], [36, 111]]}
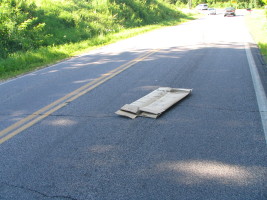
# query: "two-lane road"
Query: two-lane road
{"points": [[60, 138]]}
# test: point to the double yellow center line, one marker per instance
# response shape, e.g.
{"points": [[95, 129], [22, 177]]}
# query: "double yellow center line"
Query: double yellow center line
{"points": [[32, 119]]}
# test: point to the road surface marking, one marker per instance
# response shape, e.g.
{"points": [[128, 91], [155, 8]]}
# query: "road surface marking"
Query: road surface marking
{"points": [[259, 90], [44, 112]]}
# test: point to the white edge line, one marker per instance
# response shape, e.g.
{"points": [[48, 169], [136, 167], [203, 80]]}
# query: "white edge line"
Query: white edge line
{"points": [[259, 90]]}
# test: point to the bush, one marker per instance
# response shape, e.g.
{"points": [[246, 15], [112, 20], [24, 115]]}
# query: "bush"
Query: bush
{"points": [[139, 12], [20, 28]]}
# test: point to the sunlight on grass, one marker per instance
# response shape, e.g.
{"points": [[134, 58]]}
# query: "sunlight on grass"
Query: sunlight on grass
{"points": [[257, 23]]}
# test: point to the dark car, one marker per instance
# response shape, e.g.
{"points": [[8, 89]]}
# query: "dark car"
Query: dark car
{"points": [[230, 11]]}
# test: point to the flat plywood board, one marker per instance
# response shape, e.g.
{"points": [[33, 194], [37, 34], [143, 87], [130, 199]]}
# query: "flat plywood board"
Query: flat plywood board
{"points": [[154, 103]]}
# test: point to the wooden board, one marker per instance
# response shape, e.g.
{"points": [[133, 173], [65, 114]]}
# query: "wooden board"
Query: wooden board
{"points": [[155, 103]]}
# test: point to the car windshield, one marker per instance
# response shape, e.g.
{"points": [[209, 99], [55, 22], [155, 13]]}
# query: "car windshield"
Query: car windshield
{"points": [[230, 8]]}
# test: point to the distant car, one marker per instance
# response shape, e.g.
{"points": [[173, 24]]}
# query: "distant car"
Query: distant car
{"points": [[211, 11], [202, 7], [230, 11]]}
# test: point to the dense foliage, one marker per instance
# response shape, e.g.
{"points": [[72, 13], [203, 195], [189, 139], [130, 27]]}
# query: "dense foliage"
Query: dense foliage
{"points": [[28, 24]]}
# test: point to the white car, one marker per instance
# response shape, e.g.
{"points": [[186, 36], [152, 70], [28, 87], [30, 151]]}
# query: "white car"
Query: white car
{"points": [[211, 11], [202, 7]]}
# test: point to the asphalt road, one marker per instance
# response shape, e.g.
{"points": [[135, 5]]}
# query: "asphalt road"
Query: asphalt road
{"points": [[60, 138]]}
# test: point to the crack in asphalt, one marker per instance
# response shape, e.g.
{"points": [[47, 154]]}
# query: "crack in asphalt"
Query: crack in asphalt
{"points": [[113, 115], [38, 192]]}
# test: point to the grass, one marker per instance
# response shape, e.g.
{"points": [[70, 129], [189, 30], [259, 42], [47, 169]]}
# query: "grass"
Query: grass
{"points": [[257, 23], [23, 62]]}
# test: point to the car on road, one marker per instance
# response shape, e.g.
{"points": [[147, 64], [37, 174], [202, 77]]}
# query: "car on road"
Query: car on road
{"points": [[211, 11], [230, 11], [202, 7]]}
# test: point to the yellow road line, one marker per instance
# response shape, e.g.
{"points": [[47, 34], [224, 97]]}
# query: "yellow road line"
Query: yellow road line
{"points": [[29, 124], [44, 112]]}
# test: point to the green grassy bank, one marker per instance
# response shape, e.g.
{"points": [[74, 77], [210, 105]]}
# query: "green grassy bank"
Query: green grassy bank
{"points": [[257, 23], [34, 34]]}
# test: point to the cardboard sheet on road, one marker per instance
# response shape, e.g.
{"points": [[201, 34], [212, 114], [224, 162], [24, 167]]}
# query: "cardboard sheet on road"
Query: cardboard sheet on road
{"points": [[155, 103]]}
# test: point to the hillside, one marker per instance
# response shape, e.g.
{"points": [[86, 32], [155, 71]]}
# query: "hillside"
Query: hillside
{"points": [[37, 33], [28, 24]]}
